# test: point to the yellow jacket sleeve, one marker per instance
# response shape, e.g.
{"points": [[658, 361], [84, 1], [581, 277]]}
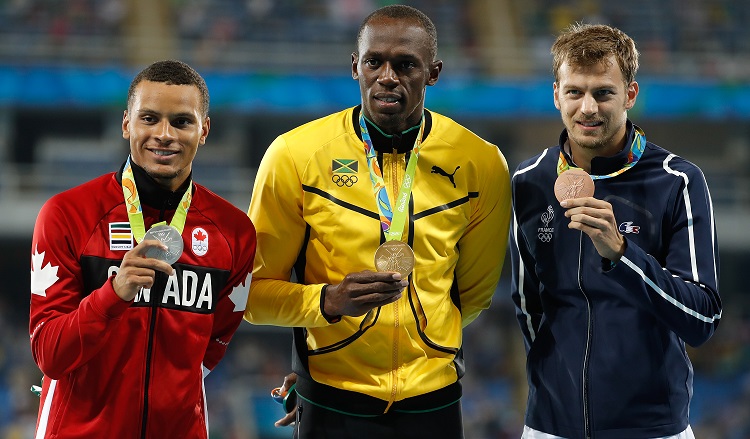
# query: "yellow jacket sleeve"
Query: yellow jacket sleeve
{"points": [[276, 211], [484, 243]]}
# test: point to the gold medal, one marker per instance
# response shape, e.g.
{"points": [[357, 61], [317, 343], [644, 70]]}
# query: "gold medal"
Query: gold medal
{"points": [[395, 256]]}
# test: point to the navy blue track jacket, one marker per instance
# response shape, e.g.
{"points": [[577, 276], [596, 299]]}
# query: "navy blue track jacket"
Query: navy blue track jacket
{"points": [[605, 346]]}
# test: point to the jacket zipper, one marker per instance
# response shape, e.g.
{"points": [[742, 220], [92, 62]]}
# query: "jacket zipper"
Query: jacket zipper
{"points": [[147, 378], [150, 345], [394, 352], [589, 325]]}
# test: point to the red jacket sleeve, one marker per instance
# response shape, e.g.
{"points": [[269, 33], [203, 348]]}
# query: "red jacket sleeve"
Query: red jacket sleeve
{"points": [[233, 298], [66, 329]]}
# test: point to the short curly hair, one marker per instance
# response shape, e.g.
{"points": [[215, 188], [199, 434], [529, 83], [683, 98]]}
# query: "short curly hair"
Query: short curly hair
{"points": [[172, 72], [407, 13]]}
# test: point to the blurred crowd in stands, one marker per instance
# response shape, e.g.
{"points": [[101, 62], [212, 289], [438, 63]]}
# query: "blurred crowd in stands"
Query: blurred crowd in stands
{"points": [[686, 38]]}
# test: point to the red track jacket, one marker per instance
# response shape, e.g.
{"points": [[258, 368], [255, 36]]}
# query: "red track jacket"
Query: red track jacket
{"points": [[132, 369]]}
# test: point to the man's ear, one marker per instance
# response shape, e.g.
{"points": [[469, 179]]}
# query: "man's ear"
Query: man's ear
{"points": [[125, 125], [435, 69], [205, 129], [632, 95], [355, 63]]}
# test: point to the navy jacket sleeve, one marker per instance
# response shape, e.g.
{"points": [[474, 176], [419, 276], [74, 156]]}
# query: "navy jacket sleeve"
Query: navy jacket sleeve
{"points": [[683, 292], [525, 286]]}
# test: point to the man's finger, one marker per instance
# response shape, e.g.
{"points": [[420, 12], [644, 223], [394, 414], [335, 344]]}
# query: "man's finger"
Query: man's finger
{"points": [[288, 419], [367, 277], [137, 257], [145, 245]]}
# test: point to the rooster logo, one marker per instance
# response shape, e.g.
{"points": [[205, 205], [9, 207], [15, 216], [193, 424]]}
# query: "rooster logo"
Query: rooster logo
{"points": [[548, 216]]}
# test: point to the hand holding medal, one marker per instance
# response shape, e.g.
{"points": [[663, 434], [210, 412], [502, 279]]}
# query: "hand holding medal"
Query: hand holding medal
{"points": [[361, 292], [138, 269]]}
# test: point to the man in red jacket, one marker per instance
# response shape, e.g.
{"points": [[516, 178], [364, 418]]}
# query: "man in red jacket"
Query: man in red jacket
{"points": [[139, 278]]}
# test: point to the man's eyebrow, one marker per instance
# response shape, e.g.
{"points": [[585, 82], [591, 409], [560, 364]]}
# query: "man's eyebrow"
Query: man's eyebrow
{"points": [[184, 114]]}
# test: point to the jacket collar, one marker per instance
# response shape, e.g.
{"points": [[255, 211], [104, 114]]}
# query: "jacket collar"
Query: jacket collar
{"points": [[604, 165], [386, 144], [151, 193]]}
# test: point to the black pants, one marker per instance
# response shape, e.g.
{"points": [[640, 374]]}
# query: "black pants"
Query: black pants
{"points": [[314, 422]]}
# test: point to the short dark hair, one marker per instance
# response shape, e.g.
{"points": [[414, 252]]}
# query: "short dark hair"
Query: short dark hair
{"points": [[407, 13], [171, 72], [588, 44]]}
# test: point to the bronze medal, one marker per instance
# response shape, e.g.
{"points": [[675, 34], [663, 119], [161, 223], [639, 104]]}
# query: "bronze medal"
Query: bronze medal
{"points": [[395, 256], [574, 183]]}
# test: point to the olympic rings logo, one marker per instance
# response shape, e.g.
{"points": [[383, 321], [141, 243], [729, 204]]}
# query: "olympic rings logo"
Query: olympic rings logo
{"points": [[344, 180], [545, 237]]}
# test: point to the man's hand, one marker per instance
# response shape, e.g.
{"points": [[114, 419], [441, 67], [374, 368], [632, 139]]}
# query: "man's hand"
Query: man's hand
{"points": [[596, 219], [363, 291], [138, 271], [289, 380]]}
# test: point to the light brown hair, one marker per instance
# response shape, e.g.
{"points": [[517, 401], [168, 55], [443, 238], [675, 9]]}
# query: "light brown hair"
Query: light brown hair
{"points": [[585, 45]]}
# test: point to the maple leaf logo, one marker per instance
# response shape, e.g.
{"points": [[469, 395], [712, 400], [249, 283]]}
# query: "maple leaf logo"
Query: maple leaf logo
{"points": [[240, 293], [41, 277], [199, 235]]}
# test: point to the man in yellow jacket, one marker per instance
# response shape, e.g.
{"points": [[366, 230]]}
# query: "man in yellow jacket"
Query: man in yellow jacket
{"points": [[393, 221]]}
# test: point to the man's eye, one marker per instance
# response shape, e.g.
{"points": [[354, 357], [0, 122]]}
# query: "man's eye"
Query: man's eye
{"points": [[372, 63]]}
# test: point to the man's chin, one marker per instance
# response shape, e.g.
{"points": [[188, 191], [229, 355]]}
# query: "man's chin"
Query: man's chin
{"points": [[389, 122], [588, 142], [162, 175]]}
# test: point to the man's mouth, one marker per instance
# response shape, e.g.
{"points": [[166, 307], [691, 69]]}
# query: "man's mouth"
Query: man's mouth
{"points": [[163, 153]]}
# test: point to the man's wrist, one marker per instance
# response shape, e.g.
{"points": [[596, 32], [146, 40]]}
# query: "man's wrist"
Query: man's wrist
{"points": [[329, 318]]}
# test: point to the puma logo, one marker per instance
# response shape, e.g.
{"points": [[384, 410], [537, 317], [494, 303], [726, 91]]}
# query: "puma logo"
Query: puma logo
{"points": [[439, 170]]}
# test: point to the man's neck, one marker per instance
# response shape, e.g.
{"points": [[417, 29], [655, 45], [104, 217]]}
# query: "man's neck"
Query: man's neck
{"points": [[154, 194], [582, 157], [403, 142]]}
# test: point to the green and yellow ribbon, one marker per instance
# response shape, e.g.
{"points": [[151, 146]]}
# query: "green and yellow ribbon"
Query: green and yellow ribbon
{"points": [[635, 153], [135, 212], [391, 222]]}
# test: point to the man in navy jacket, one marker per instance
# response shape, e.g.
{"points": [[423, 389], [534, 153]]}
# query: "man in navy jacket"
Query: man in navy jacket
{"points": [[608, 288]]}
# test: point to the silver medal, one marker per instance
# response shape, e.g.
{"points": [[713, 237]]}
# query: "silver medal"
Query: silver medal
{"points": [[170, 237]]}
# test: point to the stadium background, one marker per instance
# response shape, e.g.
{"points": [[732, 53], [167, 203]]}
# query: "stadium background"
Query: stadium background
{"points": [[271, 65]]}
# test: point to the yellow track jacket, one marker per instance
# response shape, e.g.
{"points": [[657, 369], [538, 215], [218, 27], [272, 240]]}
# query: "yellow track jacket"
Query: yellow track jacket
{"points": [[315, 213]]}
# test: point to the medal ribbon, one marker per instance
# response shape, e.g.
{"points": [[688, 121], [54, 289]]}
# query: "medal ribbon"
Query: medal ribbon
{"points": [[391, 222], [635, 153], [135, 212]]}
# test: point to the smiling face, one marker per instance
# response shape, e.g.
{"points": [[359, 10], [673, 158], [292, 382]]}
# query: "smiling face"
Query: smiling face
{"points": [[165, 125], [393, 66], [593, 102]]}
